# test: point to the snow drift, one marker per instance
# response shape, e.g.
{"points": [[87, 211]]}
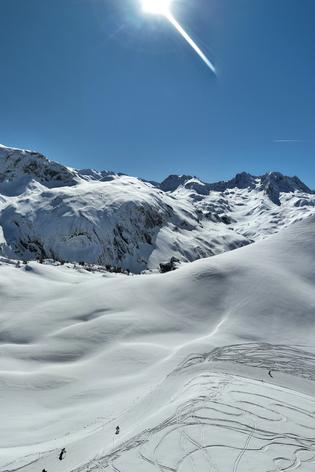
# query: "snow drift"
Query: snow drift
{"points": [[81, 353]]}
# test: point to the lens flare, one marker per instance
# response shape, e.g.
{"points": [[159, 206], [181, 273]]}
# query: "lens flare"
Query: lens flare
{"points": [[191, 42], [163, 8]]}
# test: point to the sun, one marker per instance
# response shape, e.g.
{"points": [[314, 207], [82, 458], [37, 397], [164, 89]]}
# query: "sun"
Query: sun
{"points": [[163, 8], [156, 7]]}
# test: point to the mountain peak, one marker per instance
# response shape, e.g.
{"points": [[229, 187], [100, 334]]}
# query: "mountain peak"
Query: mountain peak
{"points": [[272, 183], [173, 181], [275, 183], [18, 163]]}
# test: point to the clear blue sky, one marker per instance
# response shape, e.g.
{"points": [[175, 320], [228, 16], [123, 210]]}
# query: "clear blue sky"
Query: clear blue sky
{"points": [[95, 83]]}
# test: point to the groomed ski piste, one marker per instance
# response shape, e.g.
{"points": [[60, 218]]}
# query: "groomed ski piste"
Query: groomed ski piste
{"points": [[208, 368]]}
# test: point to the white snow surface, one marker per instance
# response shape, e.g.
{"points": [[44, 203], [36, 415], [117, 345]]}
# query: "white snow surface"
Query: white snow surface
{"points": [[179, 361], [50, 211]]}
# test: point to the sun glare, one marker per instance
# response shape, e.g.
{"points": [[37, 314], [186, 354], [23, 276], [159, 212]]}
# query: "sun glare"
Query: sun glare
{"points": [[163, 8], [156, 7]]}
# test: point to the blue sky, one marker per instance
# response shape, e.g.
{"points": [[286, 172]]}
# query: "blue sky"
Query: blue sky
{"points": [[95, 83]]}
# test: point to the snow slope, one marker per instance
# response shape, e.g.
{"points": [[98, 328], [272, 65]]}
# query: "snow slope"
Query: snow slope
{"points": [[180, 361]]}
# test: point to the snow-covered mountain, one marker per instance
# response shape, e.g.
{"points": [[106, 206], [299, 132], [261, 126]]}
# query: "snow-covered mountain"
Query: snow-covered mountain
{"points": [[210, 367], [18, 165], [102, 217], [272, 184]]}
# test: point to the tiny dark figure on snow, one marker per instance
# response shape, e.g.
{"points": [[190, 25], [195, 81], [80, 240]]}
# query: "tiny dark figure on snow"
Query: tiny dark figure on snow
{"points": [[44, 470], [117, 430], [270, 374], [62, 453]]}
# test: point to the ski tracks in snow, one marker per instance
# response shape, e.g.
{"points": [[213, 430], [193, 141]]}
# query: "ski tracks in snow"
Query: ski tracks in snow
{"points": [[232, 417], [226, 422]]}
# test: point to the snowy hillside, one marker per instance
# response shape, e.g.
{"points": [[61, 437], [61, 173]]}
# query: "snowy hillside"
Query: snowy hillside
{"points": [[17, 165], [50, 211], [210, 367]]}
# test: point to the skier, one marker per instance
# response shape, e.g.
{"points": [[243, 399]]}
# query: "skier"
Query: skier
{"points": [[62, 453], [117, 430], [270, 374]]}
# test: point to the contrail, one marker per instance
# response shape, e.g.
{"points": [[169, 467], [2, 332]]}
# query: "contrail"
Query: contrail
{"points": [[290, 141], [190, 41]]}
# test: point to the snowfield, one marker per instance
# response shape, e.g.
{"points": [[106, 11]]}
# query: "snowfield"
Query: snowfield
{"points": [[48, 211], [208, 368]]}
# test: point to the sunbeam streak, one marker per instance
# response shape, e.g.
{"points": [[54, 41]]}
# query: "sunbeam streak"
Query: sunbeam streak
{"points": [[190, 41], [162, 7]]}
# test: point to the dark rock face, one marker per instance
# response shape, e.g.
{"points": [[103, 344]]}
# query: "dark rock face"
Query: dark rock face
{"points": [[200, 187], [169, 266], [172, 182], [275, 183], [241, 181]]}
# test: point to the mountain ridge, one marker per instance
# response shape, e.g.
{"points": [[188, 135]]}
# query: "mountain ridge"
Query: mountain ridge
{"points": [[272, 183], [48, 210], [241, 180]]}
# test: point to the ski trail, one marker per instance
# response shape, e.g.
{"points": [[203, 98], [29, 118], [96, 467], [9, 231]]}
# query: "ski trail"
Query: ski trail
{"points": [[241, 454]]}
